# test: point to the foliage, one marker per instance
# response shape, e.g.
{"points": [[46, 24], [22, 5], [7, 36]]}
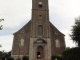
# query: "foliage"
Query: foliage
{"points": [[4, 55], [18, 59], [1, 19], [67, 48], [10, 58], [1, 25], [1, 54], [25, 58], [71, 54], [0, 45], [75, 36], [56, 56]]}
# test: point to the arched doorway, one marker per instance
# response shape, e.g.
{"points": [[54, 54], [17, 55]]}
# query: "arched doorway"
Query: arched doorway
{"points": [[40, 52]]}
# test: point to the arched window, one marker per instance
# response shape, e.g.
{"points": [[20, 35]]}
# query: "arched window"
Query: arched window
{"points": [[40, 4], [57, 42], [40, 30]]}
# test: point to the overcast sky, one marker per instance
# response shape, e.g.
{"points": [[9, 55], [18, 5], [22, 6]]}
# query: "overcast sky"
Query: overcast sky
{"points": [[17, 13]]}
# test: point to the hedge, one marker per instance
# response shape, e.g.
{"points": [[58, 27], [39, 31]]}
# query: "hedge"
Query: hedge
{"points": [[71, 54], [56, 56], [9, 58], [25, 58]]}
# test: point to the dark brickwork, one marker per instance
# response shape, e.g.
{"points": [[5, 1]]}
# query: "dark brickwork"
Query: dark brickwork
{"points": [[17, 36], [40, 16], [56, 34], [25, 50]]}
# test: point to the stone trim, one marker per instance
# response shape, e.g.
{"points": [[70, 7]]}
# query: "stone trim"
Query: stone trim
{"points": [[33, 49]]}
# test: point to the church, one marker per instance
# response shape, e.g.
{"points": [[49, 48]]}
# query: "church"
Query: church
{"points": [[39, 39]]}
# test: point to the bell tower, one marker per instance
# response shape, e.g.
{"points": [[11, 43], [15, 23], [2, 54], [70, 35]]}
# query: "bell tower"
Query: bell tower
{"points": [[40, 19], [40, 31]]}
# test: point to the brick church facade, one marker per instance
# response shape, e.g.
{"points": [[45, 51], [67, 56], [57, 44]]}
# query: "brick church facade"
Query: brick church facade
{"points": [[39, 38]]}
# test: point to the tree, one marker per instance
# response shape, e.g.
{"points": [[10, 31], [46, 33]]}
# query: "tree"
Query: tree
{"points": [[0, 45], [1, 25], [67, 48], [4, 55], [75, 31], [9, 58]]}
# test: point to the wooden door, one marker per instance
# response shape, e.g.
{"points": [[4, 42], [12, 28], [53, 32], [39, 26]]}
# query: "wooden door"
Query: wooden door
{"points": [[40, 52]]}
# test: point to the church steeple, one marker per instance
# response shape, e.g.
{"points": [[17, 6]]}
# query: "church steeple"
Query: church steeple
{"points": [[40, 17], [40, 10], [40, 4]]}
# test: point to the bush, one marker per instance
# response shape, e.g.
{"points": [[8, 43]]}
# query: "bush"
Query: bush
{"points": [[9, 58], [71, 54], [56, 56], [25, 58], [18, 59]]}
